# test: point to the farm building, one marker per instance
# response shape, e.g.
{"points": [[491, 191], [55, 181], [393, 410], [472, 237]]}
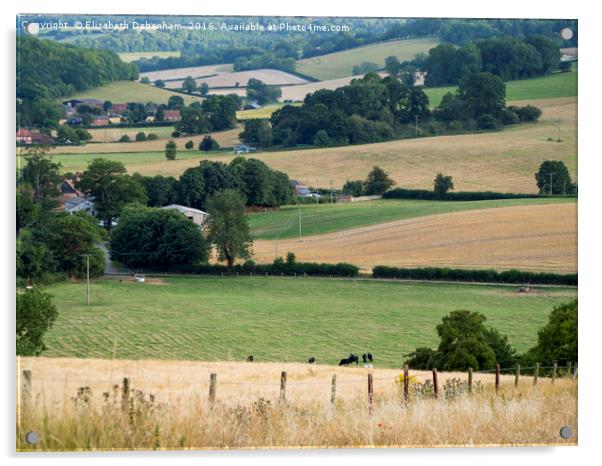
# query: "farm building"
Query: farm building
{"points": [[26, 137], [100, 120], [172, 115], [199, 217], [80, 204], [252, 106], [242, 149]]}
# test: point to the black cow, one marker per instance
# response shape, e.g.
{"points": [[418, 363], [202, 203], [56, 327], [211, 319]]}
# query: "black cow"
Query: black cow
{"points": [[344, 362], [370, 357], [364, 358], [250, 358], [311, 360], [350, 360]]}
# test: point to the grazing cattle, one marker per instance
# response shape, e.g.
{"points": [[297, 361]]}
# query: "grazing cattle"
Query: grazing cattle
{"points": [[350, 360], [311, 360], [370, 357], [344, 362], [250, 358], [364, 358]]}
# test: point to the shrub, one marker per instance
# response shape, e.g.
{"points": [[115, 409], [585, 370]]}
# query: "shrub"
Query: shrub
{"points": [[208, 144], [189, 145], [456, 125], [125, 138], [176, 134], [152, 137], [140, 136], [35, 315], [509, 117], [353, 187], [527, 113], [487, 121], [401, 193]]}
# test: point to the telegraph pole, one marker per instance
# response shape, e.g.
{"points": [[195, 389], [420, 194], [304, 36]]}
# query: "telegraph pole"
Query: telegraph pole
{"points": [[88, 279], [551, 176], [300, 237]]}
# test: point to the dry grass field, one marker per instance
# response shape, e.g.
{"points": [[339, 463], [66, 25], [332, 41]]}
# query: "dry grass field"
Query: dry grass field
{"points": [[498, 161], [113, 134], [131, 56], [268, 76], [299, 92], [181, 73], [226, 138], [247, 412], [536, 238]]}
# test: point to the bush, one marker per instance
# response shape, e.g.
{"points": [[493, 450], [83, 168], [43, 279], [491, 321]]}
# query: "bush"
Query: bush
{"points": [[487, 121], [208, 144], [125, 138], [509, 117], [176, 134], [353, 187], [456, 125], [35, 315], [401, 193], [527, 113], [475, 275], [189, 145], [140, 136], [152, 137]]}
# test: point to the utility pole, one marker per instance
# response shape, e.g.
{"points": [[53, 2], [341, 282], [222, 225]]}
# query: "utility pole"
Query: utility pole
{"points": [[300, 237], [88, 279], [551, 176]]}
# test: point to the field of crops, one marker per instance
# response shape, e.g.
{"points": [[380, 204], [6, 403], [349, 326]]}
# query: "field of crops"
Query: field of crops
{"points": [[530, 237], [240, 79], [340, 64], [278, 319], [114, 134], [328, 218], [181, 73], [130, 91]]}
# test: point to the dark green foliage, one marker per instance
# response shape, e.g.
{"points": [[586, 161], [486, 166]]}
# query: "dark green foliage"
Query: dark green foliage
{"points": [[220, 111], [557, 341], [510, 117], [111, 187], [208, 144], [228, 226], [42, 174], [464, 342], [150, 237], [528, 113], [377, 182], [152, 137], [193, 121], [68, 135], [364, 67], [556, 172], [370, 109], [125, 138], [27, 210], [477, 275], [482, 93], [258, 91], [257, 133], [261, 185], [447, 64], [35, 315], [204, 88], [322, 139], [140, 136], [170, 150], [160, 83], [189, 85], [401, 193], [160, 190], [487, 122], [175, 102], [189, 144], [442, 185], [353, 187]]}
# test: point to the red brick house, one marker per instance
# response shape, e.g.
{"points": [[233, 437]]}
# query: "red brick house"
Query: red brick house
{"points": [[27, 137]]}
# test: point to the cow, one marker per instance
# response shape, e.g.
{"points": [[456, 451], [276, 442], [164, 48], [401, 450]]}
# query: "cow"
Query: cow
{"points": [[250, 358], [370, 357], [344, 362], [350, 360], [364, 358], [311, 360]]}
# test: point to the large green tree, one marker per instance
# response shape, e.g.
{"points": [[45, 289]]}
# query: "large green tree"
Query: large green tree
{"points": [[110, 186], [482, 93], [378, 182], [465, 342], [554, 178], [228, 226], [35, 315], [150, 237], [41, 173]]}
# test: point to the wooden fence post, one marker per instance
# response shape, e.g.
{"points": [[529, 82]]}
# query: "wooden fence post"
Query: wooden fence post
{"points": [[370, 392], [125, 394], [470, 380], [569, 369], [283, 386], [435, 383], [554, 371], [536, 375], [25, 390], [333, 389], [497, 378], [406, 383], [212, 387], [517, 375]]}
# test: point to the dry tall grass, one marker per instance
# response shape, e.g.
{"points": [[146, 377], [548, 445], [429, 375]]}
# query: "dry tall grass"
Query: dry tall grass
{"points": [[248, 414]]}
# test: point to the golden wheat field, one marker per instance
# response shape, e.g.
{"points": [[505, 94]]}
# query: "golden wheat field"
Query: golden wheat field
{"points": [[536, 238], [498, 161], [78, 404]]}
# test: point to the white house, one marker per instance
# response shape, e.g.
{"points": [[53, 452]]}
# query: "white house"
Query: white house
{"points": [[80, 204], [198, 216]]}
